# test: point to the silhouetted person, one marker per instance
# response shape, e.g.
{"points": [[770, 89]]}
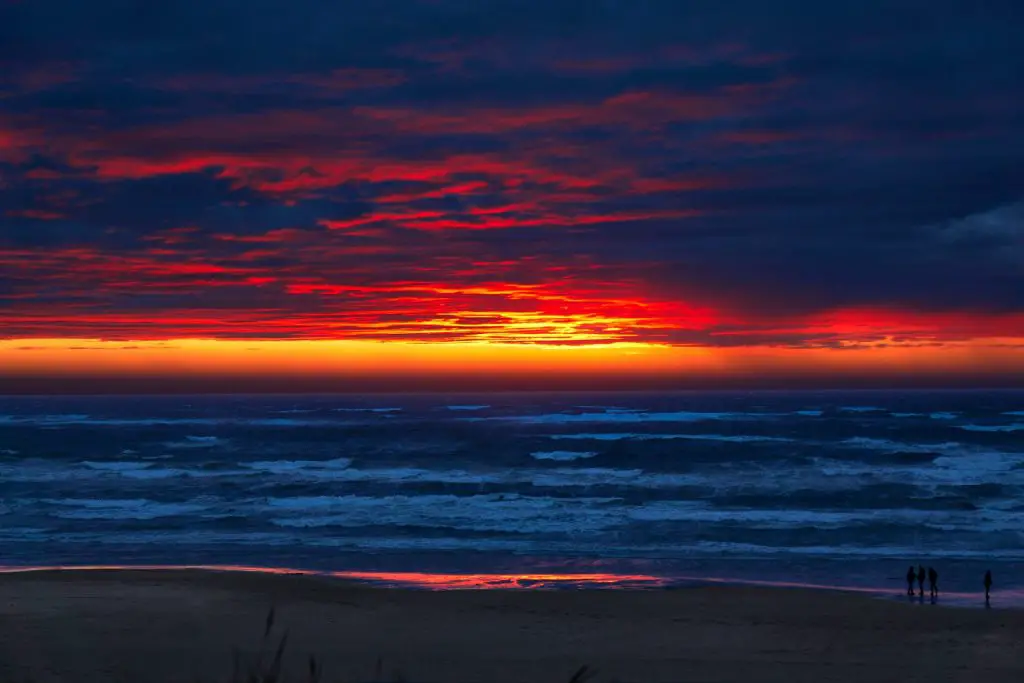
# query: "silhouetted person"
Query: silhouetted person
{"points": [[920, 580], [911, 577], [988, 585], [933, 582]]}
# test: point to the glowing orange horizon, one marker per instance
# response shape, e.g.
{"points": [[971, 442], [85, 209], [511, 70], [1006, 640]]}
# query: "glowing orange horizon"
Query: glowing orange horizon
{"points": [[198, 358]]}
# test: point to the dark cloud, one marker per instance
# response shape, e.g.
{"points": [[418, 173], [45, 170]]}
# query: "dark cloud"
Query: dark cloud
{"points": [[573, 171]]}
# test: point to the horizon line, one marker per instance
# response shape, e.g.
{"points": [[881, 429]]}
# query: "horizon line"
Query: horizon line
{"points": [[235, 386]]}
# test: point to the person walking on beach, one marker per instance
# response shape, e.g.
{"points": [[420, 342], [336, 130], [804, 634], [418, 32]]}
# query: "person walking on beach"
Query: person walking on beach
{"points": [[911, 577], [920, 580], [933, 582], [988, 585]]}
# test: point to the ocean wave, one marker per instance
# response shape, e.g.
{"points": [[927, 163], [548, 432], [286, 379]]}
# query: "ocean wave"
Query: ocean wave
{"points": [[769, 479], [166, 473], [148, 469], [1016, 427], [642, 436], [889, 446], [563, 455], [737, 438], [942, 415], [494, 513], [195, 442], [116, 466], [57, 418], [922, 466], [825, 474], [615, 436], [527, 515], [961, 469], [708, 549], [120, 509], [867, 551], [672, 511], [590, 477], [297, 466], [621, 417], [38, 471], [553, 478]]}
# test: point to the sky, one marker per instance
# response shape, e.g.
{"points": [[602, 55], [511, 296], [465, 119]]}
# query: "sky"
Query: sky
{"points": [[727, 192]]}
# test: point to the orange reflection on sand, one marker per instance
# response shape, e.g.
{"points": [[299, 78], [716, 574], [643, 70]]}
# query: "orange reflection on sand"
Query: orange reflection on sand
{"points": [[494, 581]]}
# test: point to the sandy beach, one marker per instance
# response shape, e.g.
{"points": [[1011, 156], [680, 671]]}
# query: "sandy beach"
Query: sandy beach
{"points": [[183, 625]]}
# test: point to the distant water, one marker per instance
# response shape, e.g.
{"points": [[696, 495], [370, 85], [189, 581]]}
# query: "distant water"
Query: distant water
{"points": [[833, 488]]}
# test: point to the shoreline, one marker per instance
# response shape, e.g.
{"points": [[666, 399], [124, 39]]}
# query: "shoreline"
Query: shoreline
{"points": [[537, 581], [147, 626]]}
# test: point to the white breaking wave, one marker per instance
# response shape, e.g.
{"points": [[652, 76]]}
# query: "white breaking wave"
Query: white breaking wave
{"points": [[620, 436], [888, 446], [563, 455], [993, 428], [295, 466], [615, 436], [165, 473], [116, 466], [977, 467], [72, 418], [468, 407], [737, 438]]}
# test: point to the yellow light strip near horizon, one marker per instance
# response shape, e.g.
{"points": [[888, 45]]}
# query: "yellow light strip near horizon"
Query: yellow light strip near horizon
{"points": [[198, 358]]}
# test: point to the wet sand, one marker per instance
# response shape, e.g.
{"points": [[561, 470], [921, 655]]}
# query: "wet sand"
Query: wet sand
{"points": [[137, 626]]}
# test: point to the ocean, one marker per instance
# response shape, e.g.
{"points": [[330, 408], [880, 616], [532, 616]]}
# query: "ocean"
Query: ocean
{"points": [[819, 488]]}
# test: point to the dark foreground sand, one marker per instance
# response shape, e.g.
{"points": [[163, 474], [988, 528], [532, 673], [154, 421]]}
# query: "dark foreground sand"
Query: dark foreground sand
{"points": [[89, 627]]}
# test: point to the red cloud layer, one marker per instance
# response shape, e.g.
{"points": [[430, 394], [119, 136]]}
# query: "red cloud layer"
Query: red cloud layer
{"points": [[170, 292], [405, 265]]}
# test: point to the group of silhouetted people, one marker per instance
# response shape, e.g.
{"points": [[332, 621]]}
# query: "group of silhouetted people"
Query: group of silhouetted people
{"points": [[920, 574]]}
